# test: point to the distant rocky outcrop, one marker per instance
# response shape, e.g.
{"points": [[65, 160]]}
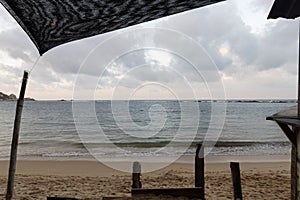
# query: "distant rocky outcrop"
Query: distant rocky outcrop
{"points": [[29, 99], [12, 97], [5, 97]]}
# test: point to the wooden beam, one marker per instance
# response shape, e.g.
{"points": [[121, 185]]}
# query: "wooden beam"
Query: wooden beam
{"points": [[189, 193], [236, 180], [288, 132], [61, 198], [297, 131], [294, 173], [136, 175], [298, 163], [199, 167], [15, 140], [289, 121]]}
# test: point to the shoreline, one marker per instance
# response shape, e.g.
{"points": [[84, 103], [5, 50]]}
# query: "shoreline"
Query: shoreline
{"points": [[178, 159], [93, 167]]}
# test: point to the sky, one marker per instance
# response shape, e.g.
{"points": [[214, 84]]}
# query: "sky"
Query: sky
{"points": [[226, 50]]}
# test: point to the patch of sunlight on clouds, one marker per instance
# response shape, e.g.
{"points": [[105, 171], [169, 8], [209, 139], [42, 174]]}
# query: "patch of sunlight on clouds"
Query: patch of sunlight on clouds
{"points": [[254, 17], [64, 83], [223, 51], [160, 57], [115, 69]]}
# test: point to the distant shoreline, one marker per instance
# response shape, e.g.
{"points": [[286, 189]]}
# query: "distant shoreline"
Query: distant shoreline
{"points": [[12, 97], [180, 100]]}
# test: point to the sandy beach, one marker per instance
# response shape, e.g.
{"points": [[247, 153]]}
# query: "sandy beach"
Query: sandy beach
{"points": [[37, 179]]}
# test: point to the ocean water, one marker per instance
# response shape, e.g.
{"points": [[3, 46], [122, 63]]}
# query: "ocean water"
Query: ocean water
{"points": [[77, 129]]}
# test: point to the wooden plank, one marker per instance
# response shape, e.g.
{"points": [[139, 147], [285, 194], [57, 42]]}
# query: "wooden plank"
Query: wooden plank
{"points": [[288, 132], [15, 139], [61, 198], [190, 193], [236, 180]]}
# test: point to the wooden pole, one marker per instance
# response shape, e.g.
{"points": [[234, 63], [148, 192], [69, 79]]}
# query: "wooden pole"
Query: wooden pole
{"points": [[294, 173], [296, 184], [136, 173], [236, 180], [299, 71], [199, 168], [15, 139], [297, 170]]}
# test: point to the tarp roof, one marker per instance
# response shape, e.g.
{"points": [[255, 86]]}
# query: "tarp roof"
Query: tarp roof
{"points": [[50, 23], [289, 9], [290, 113]]}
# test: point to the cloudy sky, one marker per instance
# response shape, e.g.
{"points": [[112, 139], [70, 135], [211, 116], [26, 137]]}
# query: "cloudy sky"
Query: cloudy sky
{"points": [[227, 50]]}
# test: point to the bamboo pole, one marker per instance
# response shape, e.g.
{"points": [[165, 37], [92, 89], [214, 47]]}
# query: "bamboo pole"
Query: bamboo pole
{"points": [[15, 139]]}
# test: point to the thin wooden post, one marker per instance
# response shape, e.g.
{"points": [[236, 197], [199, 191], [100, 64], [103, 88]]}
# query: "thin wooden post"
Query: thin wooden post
{"points": [[199, 168], [236, 180], [136, 175], [296, 184], [293, 173], [294, 166], [297, 159], [15, 139]]}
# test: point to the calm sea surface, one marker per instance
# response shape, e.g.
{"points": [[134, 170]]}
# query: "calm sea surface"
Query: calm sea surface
{"points": [[142, 128]]}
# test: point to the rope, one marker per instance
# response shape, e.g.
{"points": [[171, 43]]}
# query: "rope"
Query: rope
{"points": [[34, 65]]}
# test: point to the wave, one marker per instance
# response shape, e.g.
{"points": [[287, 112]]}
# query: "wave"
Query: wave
{"points": [[160, 144]]}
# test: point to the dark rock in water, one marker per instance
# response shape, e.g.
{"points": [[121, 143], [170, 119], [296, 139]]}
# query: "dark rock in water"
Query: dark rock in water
{"points": [[279, 101], [29, 99], [248, 101]]}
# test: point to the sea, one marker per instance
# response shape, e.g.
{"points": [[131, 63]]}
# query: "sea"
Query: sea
{"points": [[139, 128]]}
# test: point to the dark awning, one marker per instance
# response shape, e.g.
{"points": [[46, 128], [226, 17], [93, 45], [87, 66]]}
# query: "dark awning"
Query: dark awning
{"points": [[289, 113], [289, 9], [50, 23], [286, 118]]}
